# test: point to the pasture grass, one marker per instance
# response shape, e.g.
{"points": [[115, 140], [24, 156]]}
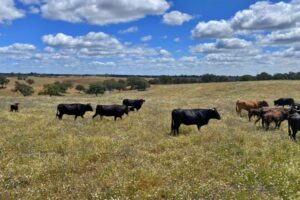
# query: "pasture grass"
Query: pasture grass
{"points": [[136, 158]]}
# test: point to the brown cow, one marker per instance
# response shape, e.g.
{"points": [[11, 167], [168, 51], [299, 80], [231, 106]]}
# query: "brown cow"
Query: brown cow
{"points": [[259, 112], [247, 105], [276, 116], [14, 107]]}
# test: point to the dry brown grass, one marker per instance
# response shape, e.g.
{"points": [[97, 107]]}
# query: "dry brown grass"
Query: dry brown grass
{"points": [[136, 158]]}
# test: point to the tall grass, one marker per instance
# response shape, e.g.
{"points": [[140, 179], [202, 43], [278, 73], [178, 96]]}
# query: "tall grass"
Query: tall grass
{"points": [[136, 158]]}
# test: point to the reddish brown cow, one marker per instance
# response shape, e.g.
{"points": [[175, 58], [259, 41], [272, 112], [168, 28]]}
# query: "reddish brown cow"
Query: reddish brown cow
{"points": [[276, 116], [249, 104]]}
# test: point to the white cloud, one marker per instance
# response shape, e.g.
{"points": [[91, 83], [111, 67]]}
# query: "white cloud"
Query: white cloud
{"points": [[102, 12], [176, 18], [29, 2], [267, 16], [132, 29], [164, 53], [281, 37], [221, 45], [212, 29], [8, 11], [146, 38], [177, 39]]}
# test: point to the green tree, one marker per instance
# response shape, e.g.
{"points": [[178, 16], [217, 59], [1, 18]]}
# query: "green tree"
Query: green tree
{"points": [[25, 90], [80, 88], [3, 81], [96, 88], [51, 90], [138, 83], [30, 81]]}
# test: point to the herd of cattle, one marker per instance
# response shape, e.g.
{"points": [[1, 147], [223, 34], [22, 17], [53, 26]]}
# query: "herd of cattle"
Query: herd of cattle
{"points": [[199, 117]]}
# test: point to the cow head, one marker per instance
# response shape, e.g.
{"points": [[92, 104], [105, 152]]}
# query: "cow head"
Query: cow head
{"points": [[263, 104], [127, 109], [216, 114], [142, 100], [275, 102], [89, 107]]}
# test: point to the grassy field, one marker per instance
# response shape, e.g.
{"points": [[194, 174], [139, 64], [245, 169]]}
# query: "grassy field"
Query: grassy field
{"points": [[136, 158]]}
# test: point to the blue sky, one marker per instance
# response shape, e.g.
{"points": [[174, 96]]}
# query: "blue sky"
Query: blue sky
{"points": [[149, 37]]}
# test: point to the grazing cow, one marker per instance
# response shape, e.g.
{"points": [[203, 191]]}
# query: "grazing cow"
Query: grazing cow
{"points": [[198, 117], [259, 112], [133, 103], [14, 107], [284, 101], [293, 125], [111, 110], [73, 109], [247, 105], [276, 116]]}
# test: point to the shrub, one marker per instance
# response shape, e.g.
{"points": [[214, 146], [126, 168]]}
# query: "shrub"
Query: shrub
{"points": [[30, 81], [96, 88], [25, 90], [138, 83], [3, 81], [80, 88]]}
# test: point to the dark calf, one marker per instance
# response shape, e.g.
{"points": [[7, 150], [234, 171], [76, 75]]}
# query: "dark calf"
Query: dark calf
{"points": [[14, 107]]}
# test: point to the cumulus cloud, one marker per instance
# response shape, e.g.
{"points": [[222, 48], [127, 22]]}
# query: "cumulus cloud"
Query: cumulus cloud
{"points": [[132, 29], [146, 38], [267, 16], [102, 12], [8, 11], [281, 37], [221, 45], [212, 29], [176, 18]]}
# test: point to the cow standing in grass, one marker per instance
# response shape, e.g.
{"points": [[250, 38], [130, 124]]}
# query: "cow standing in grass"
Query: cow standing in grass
{"points": [[249, 104], [293, 125], [73, 109], [276, 116], [284, 102], [199, 117], [134, 103], [111, 110], [14, 107]]}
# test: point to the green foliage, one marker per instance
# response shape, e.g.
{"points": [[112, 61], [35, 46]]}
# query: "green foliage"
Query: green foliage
{"points": [[80, 88], [56, 89], [112, 84], [96, 88], [3, 81], [25, 90], [30, 81], [138, 83]]}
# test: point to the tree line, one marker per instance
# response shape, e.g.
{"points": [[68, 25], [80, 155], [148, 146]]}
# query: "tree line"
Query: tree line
{"points": [[208, 78]]}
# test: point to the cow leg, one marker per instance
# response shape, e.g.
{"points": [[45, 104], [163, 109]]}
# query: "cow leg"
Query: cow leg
{"points": [[267, 124], [257, 120], [95, 115], [115, 118], [82, 116], [75, 117], [198, 126], [60, 116], [249, 116]]}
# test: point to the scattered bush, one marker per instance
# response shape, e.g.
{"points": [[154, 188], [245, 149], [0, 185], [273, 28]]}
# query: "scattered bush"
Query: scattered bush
{"points": [[25, 90], [3, 81], [138, 83], [80, 88], [96, 88], [30, 81]]}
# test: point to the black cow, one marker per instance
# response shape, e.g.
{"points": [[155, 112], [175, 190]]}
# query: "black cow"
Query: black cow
{"points": [[284, 102], [198, 117], [134, 103], [296, 106], [293, 124], [73, 109], [14, 107], [111, 110]]}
